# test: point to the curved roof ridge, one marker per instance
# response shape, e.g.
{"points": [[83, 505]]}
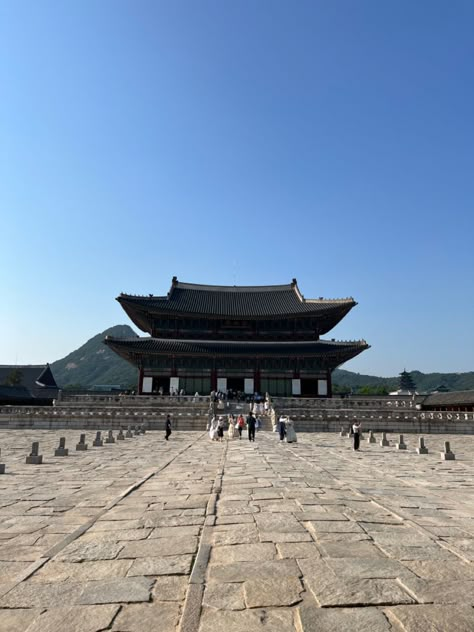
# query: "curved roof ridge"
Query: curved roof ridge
{"points": [[232, 288]]}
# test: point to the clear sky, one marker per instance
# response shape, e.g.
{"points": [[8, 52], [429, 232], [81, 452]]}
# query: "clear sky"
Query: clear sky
{"points": [[239, 142]]}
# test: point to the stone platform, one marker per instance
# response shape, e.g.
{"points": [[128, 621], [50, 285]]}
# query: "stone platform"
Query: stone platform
{"points": [[196, 536]]}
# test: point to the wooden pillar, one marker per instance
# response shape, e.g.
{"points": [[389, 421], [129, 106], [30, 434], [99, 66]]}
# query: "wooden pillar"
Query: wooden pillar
{"points": [[329, 383], [140, 381], [256, 380]]}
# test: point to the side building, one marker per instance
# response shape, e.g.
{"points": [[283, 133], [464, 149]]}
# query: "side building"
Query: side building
{"points": [[243, 338]]}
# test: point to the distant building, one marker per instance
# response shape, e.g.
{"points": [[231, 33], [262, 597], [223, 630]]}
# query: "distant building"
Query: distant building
{"points": [[406, 385], [457, 401], [243, 338], [27, 384]]}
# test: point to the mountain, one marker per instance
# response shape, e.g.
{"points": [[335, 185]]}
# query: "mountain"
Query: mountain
{"points": [[95, 364], [346, 380]]}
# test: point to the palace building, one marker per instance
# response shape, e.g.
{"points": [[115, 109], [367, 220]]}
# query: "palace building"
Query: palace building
{"points": [[244, 338]]}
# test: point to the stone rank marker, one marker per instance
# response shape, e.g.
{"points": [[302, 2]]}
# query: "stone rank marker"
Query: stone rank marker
{"points": [[447, 455], [2, 465], [98, 443], [110, 437], [136, 430], [371, 438], [401, 445], [34, 458], [384, 442], [421, 449], [61, 450], [143, 429], [120, 435], [343, 432], [129, 434], [82, 445]]}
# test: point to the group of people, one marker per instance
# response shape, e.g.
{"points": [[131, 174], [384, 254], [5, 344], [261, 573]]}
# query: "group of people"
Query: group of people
{"points": [[285, 429], [234, 427]]}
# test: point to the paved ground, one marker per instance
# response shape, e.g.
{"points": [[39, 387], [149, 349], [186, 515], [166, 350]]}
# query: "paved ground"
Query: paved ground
{"points": [[189, 535]]}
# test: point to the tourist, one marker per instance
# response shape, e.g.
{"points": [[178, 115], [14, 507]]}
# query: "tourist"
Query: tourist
{"points": [[258, 423], [220, 429], [240, 425], [290, 432], [167, 427], [213, 429], [282, 428], [356, 426], [231, 430], [251, 427]]}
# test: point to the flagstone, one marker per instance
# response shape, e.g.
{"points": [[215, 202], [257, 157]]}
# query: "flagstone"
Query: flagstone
{"points": [[153, 617], [368, 619], [75, 619], [436, 618], [171, 565]]}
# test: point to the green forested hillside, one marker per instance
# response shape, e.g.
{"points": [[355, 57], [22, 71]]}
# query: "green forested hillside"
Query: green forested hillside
{"points": [[95, 364]]}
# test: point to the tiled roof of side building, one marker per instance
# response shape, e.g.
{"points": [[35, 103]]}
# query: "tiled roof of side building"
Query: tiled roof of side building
{"points": [[454, 398], [235, 301], [226, 348]]}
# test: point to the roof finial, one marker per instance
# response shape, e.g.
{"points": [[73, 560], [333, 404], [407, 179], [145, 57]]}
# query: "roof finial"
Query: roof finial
{"points": [[294, 282]]}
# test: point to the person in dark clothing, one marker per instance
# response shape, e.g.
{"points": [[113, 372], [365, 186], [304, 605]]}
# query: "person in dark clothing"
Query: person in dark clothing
{"points": [[356, 430], [251, 427], [282, 428], [167, 428]]}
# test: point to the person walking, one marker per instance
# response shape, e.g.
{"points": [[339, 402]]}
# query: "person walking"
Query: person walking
{"points": [[251, 427], [240, 425], [220, 429], [290, 431], [356, 428], [282, 428], [231, 429], [167, 427]]}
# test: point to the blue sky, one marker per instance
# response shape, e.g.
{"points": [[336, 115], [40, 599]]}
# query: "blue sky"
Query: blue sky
{"points": [[239, 143]]}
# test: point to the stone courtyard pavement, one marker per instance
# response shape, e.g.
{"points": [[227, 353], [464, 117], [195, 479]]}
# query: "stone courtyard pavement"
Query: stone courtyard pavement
{"points": [[196, 536]]}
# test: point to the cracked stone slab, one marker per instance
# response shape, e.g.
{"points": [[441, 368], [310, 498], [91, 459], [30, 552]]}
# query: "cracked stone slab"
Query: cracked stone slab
{"points": [[17, 620], [170, 588], [172, 565], [224, 596], [285, 537], [265, 620], [243, 553], [314, 619], [332, 591], [459, 591], [123, 590], [75, 619], [78, 572], [441, 570], [261, 593], [354, 549], [296, 550], [244, 571], [153, 617], [36, 595], [159, 547], [318, 526], [433, 618], [80, 551], [277, 523]]}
